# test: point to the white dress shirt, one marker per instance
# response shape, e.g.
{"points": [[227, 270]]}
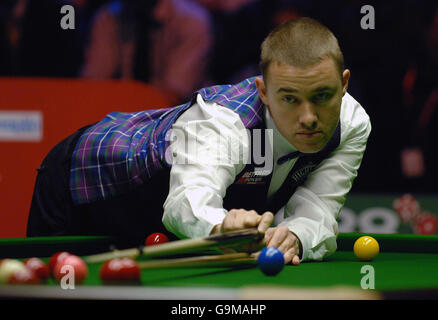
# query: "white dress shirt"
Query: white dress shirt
{"points": [[210, 145]]}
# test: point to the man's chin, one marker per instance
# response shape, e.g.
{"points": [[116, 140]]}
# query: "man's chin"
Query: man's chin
{"points": [[309, 148]]}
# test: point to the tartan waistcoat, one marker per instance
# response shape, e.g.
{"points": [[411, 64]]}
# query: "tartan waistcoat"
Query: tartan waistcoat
{"points": [[124, 150]]}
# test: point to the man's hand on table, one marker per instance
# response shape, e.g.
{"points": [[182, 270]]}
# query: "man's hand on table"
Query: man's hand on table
{"points": [[279, 237]]}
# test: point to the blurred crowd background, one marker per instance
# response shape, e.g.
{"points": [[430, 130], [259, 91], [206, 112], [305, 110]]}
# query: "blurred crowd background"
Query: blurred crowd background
{"points": [[182, 45]]}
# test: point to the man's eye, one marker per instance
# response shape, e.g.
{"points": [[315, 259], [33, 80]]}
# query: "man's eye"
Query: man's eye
{"points": [[322, 96], [289, 99]]}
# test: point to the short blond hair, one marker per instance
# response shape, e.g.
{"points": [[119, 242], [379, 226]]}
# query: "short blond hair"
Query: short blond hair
{"points": [[301, 43]]}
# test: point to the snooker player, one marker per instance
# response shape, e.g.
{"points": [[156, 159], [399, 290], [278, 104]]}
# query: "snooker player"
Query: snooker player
{"points": [[198, 160]]}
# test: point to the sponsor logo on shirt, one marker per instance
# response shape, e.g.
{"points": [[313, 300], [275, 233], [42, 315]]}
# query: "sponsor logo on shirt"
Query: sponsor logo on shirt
{"points": [[256, 177]]}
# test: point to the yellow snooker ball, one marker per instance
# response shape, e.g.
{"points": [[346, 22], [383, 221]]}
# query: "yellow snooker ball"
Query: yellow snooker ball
{"points": [[366, 248]]}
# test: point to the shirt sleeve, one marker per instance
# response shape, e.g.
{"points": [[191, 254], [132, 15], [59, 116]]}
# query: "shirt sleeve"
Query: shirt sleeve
{"points": [[312, 211], [209, 143]]}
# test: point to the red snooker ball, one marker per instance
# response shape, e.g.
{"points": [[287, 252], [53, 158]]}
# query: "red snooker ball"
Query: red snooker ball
{"points": [[120, 270], [57, 257], [156, 238], [79, 267], [26, 276], [38, 267]]}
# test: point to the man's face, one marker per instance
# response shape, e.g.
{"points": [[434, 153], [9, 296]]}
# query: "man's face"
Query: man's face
{"points": [[305, 104]]}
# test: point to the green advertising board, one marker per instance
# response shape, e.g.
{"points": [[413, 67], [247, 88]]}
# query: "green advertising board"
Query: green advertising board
{"points": [[374, 213]]}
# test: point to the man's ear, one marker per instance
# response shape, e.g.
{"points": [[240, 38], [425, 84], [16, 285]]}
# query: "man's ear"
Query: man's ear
{"points": [[260, 84], [345, 78]]}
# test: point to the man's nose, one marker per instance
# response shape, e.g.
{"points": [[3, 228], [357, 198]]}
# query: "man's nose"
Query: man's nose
{"points": [[308, 116]]}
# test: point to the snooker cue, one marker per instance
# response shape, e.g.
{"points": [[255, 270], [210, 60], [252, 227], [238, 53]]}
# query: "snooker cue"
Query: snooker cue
{"points": [[222, 240], [223, 260]]}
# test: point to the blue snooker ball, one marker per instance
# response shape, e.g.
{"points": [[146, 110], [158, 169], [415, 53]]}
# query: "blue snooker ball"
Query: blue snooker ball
{"points": [[270, 261]]}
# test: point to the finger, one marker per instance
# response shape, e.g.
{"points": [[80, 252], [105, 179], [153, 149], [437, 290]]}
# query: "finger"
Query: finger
{"points": [[291, 255], [266, 220], [246, 219], [288, 243], [240, 219], [229, 221], [268, 235], [278, 237], [251, 219], [288, 255], [296, 260]]}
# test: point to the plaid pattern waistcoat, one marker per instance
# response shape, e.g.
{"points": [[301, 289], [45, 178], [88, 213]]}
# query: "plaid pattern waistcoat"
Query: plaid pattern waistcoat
{"points": [[124, 150]]}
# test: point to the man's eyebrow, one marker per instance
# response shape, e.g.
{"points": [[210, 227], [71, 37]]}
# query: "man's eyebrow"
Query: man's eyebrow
{"points": [[324, 88], [292, 90], [287, 90]]}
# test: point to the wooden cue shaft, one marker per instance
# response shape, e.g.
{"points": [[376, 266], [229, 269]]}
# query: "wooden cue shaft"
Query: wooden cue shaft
{"points": [[224, 240], [101, 257], [196, 245], [223, 260]]}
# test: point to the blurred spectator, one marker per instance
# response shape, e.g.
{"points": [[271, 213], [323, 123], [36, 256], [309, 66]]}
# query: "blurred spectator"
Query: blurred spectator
{"points": [[162, 42], [11, 17], [239, 29], [224, 5], [32, 42], [420, 100]]}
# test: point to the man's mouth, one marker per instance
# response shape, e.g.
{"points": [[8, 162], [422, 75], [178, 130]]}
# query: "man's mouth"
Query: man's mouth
{"points": [[310, 134]]}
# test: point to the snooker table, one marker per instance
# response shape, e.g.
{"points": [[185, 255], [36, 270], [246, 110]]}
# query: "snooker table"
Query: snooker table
{"points": [[407, 267]]}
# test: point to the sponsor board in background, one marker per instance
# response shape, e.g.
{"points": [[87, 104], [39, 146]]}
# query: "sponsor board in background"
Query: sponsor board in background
{"points": [[21, 126], [372, 213]]}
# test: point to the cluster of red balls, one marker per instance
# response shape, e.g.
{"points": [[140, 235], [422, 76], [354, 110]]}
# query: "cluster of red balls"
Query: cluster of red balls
{"points": [[30, 271], [126, 270], [35, 271]]}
